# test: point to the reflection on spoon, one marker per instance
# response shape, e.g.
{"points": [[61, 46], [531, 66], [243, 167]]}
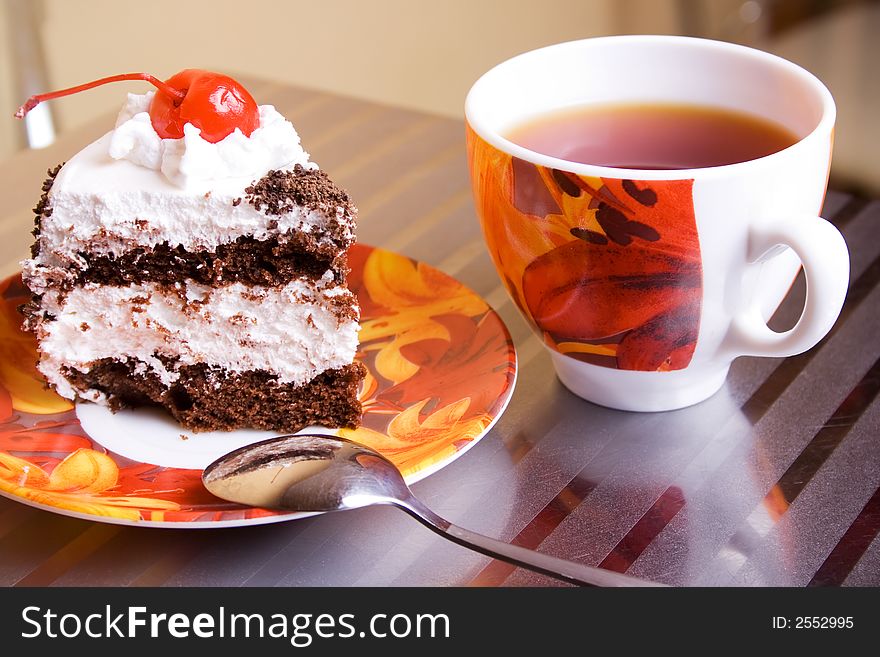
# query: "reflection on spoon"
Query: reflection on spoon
{"points": [[326, 473]]}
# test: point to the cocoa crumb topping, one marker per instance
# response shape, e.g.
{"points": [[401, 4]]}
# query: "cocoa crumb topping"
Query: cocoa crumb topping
{"points": [[279, 191], [239, 319], [43, 208]]}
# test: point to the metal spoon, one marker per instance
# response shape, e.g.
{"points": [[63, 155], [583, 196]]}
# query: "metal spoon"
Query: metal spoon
{"points": [[327, 473]]}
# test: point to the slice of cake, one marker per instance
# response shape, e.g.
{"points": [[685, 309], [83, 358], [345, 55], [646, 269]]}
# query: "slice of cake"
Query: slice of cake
{"points": [[201, 272]]}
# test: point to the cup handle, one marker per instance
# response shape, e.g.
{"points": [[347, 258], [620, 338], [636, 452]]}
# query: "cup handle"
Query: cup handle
{"points": [[825, 258]]}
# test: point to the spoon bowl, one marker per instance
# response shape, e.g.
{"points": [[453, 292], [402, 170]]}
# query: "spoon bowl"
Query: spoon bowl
{"points": [[310, 473]]}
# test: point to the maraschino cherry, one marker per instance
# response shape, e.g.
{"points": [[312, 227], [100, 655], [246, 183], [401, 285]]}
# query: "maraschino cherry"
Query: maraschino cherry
{"points": [[215, 104]]}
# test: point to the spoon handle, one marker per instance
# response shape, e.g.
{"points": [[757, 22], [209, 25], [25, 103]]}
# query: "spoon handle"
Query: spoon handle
{"points": [[567, 571]]}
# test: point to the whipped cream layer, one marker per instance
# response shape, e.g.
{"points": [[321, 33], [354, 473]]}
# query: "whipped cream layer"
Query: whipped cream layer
{"points": [[295, 332], [191, 162]]}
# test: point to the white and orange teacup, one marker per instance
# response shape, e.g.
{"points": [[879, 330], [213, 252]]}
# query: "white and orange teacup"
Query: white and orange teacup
{"points": [[652, 322]]}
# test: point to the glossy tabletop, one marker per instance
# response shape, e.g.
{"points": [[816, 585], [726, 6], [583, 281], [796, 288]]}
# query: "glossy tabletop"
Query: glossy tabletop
{"points": [[773, 481]]}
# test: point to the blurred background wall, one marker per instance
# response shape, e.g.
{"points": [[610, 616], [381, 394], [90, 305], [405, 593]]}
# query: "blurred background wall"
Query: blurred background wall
{"points": [[417, 53]]}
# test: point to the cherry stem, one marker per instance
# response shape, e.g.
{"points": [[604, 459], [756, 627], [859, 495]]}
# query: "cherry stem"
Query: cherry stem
{"points": [[33, 101]]}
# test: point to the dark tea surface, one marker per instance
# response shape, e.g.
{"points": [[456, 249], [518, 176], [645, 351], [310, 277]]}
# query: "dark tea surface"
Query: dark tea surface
{"points": [[652, 136]]}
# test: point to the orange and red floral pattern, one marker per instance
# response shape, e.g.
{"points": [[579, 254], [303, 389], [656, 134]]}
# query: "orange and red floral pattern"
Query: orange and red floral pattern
{"points": [[441, 367], [607, 271]]}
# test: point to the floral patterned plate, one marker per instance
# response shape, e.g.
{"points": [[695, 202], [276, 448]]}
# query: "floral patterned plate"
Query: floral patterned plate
{"points": [[441, 369]]}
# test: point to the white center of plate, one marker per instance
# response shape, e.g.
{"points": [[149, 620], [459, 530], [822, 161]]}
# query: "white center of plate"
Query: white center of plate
{"points": [[149, 435]]}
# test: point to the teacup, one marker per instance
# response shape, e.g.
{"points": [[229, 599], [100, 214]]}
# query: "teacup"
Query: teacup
{"points": [[652, 322]]}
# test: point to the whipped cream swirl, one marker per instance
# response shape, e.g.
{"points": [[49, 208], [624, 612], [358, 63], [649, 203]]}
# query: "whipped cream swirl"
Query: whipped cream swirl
{"points": [[191, 159]]}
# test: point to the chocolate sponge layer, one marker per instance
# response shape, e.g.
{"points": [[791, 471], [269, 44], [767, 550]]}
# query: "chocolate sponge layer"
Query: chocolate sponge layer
{"points": [[269, 263], [207, 400]]}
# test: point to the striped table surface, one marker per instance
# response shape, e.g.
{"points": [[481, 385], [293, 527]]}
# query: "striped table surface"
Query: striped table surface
{"points": [[773, 481]]}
